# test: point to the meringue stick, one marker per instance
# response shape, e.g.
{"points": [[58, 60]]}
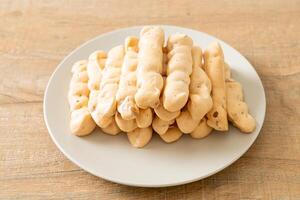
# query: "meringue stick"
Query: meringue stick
{"points": [[140, 137], [214, 67], [144, 118], [185, 122], [160, 126], [112, 128], [127, 86], [141, 130], [200, 101], [95, 66], [125, 125], [127, 89], [179, 69], [237, 109], [227, 73], [96, 63], [106, 100], [100, 120], [200, 88], [173, 134], [165, 115], [160, 111], [202, 130], [150, 61], [81, 122]]}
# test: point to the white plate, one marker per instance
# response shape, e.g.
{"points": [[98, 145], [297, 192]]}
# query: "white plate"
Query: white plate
{"points": [[158, 164]]}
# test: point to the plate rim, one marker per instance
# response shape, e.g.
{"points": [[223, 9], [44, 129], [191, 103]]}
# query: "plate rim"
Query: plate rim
{"points": [[114, 180]]}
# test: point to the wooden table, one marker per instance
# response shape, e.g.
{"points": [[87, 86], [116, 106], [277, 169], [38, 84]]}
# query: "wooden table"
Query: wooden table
{"points": [[35, 37]]}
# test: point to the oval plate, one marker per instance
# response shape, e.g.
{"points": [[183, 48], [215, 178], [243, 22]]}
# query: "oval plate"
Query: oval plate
{"points": [[158, 164]]}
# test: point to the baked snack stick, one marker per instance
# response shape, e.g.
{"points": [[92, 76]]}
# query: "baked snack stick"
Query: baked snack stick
{"points": [[81, 122], [141, 131], [100, 120], [165, 115], [200, 101], [140, 136], [112, 128], [185, 122], [125, 125], [161, 112], [127, 86], [95, 66], [150, 60], [144, 118], [106, 100], [160, 126], [131, 116], [173, 134], [202, 130], [179, 69], [96, 63], [227, 73], [237, 109], [214, 67]]}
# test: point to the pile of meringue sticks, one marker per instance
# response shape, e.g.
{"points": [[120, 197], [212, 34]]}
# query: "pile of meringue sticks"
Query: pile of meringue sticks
{"points": [[144, 86]]}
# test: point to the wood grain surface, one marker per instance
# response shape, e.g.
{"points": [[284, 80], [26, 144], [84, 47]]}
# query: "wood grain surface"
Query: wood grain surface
{"points": [[36, 35]]}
